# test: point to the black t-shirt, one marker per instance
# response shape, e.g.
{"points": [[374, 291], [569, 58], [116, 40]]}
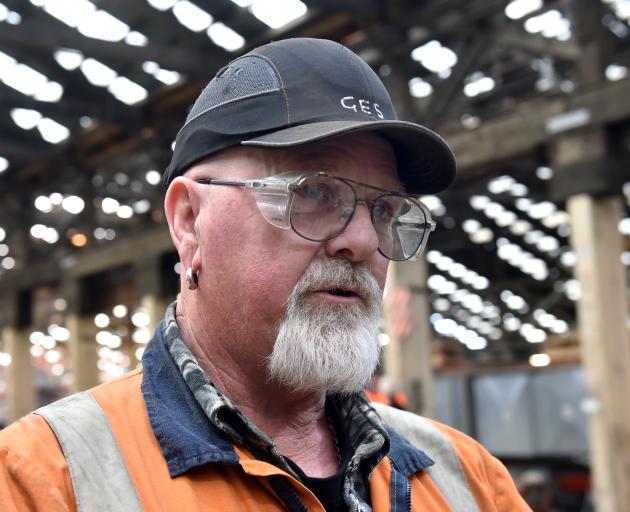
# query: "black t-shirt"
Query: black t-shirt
{"points": [[329, 490]]}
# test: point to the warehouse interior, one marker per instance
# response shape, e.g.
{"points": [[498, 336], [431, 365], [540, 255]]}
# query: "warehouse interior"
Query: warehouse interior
{"points": [[514, 326]]}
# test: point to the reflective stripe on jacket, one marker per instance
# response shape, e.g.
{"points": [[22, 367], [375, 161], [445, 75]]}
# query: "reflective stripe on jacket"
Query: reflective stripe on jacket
{"points": [[175, 466]]}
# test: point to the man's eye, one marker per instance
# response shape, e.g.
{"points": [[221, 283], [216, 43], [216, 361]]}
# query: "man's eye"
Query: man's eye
{"points": [[382, 211]]}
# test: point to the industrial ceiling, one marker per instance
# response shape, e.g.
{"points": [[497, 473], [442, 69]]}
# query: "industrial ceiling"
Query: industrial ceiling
{"points": [[92, 94]]}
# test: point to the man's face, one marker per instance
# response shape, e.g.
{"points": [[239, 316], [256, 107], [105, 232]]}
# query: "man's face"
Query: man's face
{"points": [[249, 268]]}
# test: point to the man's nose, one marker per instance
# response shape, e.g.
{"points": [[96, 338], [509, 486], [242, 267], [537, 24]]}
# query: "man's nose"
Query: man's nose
{"points": [[359, 241]]}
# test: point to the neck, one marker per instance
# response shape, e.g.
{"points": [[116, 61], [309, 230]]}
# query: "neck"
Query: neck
{"points": [[296, 421]]}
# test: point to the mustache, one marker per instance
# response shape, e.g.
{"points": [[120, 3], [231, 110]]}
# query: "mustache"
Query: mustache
{"points": [[340, 273]]}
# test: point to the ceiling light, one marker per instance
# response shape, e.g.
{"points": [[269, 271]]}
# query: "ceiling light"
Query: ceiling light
{"points": [[539, 360], [624, 226], [478, 202], [4, 164], [162, 5], [70, 12], [78, 240], [134, 38], [520, 8], [109, 205], [98, 73], [544, 173], [482, 236], [419, 88], [471, 225], [435, 57], [102, 25], [25, 118], [276, 13], [191, 16], [43, 204], [120, 311], [153, 177], [478, 84], [127, 91], [51, 131], [101, 320], [8, 263], [73, 204], [25, 79], [224, 36], [125, 212], [50, 92], [167, 77]]}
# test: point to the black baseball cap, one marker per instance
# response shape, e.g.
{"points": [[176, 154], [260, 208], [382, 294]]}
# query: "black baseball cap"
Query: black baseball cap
{"points": [[295, 91]]}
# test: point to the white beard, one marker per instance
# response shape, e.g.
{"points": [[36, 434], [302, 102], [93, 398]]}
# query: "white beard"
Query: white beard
{"points": [[328, 347]]}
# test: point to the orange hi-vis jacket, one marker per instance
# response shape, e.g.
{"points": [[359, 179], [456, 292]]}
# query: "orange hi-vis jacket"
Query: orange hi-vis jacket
{"points": [[34, 473]]}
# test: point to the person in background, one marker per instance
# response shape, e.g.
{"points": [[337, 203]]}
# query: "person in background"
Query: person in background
{"points": [[291, 188]]}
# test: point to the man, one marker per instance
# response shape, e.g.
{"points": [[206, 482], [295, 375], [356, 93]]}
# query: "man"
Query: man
{"points": [[287, 198]]}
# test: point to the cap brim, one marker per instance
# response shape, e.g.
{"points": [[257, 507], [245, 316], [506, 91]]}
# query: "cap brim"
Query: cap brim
{"points": [[426, 164]]}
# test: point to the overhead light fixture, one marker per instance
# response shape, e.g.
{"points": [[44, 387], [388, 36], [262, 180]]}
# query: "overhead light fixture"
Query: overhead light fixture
{"points": [[277, 13], [225, 37], [192, 16]]}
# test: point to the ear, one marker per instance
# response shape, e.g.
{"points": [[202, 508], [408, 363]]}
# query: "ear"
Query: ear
{"points": [[181, 205]]}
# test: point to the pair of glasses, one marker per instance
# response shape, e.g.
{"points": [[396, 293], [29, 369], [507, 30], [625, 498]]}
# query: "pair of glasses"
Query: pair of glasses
{"points": [[319, 207]]}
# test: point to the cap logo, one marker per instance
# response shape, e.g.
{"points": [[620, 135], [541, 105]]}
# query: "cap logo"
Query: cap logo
{"points": [[363, 105]]}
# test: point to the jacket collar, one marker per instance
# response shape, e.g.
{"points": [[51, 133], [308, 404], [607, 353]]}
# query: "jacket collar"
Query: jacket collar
{"points": [[189, 439]]}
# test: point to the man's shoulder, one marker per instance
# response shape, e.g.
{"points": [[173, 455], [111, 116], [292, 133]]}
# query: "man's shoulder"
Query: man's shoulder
{"points": [[419, 428]]}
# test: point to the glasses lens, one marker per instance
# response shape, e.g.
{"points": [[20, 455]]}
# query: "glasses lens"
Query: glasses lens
{"points": [[321, 207], [401, 224]]}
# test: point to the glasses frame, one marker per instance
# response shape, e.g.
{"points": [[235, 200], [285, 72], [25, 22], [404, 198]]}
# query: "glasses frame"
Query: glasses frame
{"points": [[274, 195]]}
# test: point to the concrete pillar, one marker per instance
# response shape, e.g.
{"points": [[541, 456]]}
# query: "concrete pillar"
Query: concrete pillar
{"points": [[20, 382], [602, 314], [82, 344], [408, 355], [20, 375]]}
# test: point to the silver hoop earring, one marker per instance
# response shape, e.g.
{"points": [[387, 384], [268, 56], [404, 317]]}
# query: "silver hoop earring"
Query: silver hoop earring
{"points": [[192, 279]]}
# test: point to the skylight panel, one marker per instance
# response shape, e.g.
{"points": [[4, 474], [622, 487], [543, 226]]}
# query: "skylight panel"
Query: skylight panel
{"points": [[276, 13], [435, 57], [419, 88], [97, 73], [4, 12], [615, 72], [162, 5], [517, 9], [70, 12], [50, 92], [163, 75], [25, 79], [26, 118], [4, 164], [477, 84], [104, 26], [135, 38], [191, 16], [127, 91], [68, 59], [51, 131], [224, 36], [6, 64]]}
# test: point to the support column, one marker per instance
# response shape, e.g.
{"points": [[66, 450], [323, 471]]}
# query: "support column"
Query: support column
{"points": [[20, 381], [148, 278], [602, 315], [82, 344], [409, 357]]}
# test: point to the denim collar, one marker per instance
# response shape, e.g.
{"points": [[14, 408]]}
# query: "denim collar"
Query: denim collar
{"points": [[189, 439]]}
